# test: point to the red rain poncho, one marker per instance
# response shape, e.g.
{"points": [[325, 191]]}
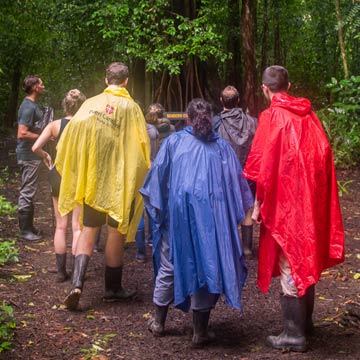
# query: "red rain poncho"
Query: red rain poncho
{"points": [[292, 163]]}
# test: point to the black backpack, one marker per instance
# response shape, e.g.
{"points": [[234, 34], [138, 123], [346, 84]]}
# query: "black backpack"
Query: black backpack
{"points": [[48, 116]]}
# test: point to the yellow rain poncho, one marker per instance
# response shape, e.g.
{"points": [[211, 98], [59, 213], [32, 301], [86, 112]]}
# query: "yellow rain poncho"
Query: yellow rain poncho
{"points": [[103, 156]]}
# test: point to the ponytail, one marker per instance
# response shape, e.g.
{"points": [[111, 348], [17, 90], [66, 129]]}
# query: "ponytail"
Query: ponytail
{"points": [[199, 112]]}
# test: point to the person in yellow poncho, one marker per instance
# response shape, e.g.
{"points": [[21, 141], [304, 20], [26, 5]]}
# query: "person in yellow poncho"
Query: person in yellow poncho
{"points": [[103, 157]]}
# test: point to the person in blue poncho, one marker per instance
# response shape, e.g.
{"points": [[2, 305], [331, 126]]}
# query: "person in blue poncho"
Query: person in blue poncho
{"points": [[196, 196]]}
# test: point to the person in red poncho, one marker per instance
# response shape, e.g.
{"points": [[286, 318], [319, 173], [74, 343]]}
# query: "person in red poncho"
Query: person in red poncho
{"points": [[301, 231]]}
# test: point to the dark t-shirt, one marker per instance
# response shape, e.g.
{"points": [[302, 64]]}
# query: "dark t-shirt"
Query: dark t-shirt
{"points": [[29, 113]]}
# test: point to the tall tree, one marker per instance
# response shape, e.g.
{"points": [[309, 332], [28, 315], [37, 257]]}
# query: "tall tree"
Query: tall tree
{"points": [[248, 30], [264, 36], [341, 39]]}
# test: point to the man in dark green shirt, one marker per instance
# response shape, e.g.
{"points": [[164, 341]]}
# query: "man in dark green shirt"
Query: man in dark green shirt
{"points": [[29, 113]]}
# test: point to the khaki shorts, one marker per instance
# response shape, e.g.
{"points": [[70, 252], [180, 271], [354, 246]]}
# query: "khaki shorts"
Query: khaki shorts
{"points": [[287, 282]]}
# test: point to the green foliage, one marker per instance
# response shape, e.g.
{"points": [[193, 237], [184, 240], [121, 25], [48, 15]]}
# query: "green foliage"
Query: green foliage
{"points": [[341, 121], [7, 325], [4, 176], [6, 208], [69, 43], [163, 38], [8, 252], [342, 187]]}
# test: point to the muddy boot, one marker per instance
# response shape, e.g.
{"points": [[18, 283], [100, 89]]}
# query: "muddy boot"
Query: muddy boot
{"points": [[113, 288], [25, 224], [201, 335], [247, 239], [294, 316], [72, 300], [310, 299], [72, 266], [62, 275], [32, 227], [157, 324]]}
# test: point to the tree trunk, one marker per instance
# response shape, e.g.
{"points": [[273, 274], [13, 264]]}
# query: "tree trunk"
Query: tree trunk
{"points": [[138, 81], [341, 38], [264, 37], [10, 117], [277, 56], [248, 27]]}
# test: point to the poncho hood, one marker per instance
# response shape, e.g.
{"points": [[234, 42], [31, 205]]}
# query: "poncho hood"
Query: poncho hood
{"points": [[238, 129], [299, 106], [214, 136]]}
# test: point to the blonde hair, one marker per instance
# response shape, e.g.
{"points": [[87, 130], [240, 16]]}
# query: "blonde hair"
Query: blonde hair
{"points": [[72, 101]]}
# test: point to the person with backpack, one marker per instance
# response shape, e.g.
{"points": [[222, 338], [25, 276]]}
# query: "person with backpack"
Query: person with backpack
{"points": [[238, 129], [28, 115], [71, 104]]}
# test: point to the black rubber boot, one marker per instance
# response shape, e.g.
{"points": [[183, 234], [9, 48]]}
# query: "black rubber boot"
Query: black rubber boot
{"points": [[72, 300], [247, 239], [62, 275], [310, 299], [32, 227], [72, 267], [201, 335], [113, 288], [25, 224], [157, 324], [294, 316]]}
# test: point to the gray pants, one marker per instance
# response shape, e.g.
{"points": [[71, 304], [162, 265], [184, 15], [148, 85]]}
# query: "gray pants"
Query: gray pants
{"points": [[29, 183], [164, 284]]}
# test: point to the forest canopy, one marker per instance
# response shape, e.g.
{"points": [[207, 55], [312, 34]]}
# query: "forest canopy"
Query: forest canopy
{"points": [[178, 50]]}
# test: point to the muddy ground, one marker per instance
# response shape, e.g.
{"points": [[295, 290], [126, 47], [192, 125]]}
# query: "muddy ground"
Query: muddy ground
{"points": [[45, 330]]}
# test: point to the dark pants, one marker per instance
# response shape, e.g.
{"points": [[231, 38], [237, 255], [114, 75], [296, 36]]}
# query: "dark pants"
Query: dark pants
{"points": [[29, 183]]}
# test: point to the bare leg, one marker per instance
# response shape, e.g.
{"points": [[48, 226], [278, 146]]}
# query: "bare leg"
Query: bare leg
{"points": [[86, 240], [60, 230], [76, 230], [114, 249]]}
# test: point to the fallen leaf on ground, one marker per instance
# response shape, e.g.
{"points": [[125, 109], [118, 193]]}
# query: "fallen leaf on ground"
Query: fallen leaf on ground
{"points": [[22, 278]]}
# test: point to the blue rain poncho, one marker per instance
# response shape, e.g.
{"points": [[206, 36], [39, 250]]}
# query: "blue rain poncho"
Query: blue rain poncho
{"points": [[196, 196]]}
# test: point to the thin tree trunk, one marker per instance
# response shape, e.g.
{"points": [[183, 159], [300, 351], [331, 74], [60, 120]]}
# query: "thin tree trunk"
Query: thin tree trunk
{"points": [[197, 79], [264, 37], [168, 96], [277, 56], [159, 91], [341, 39], [10, 116], [248, 27], [180, 93]]}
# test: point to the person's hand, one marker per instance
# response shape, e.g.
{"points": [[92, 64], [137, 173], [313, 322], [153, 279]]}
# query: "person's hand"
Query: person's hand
{"points": [[256, 217], [47, 160]]}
